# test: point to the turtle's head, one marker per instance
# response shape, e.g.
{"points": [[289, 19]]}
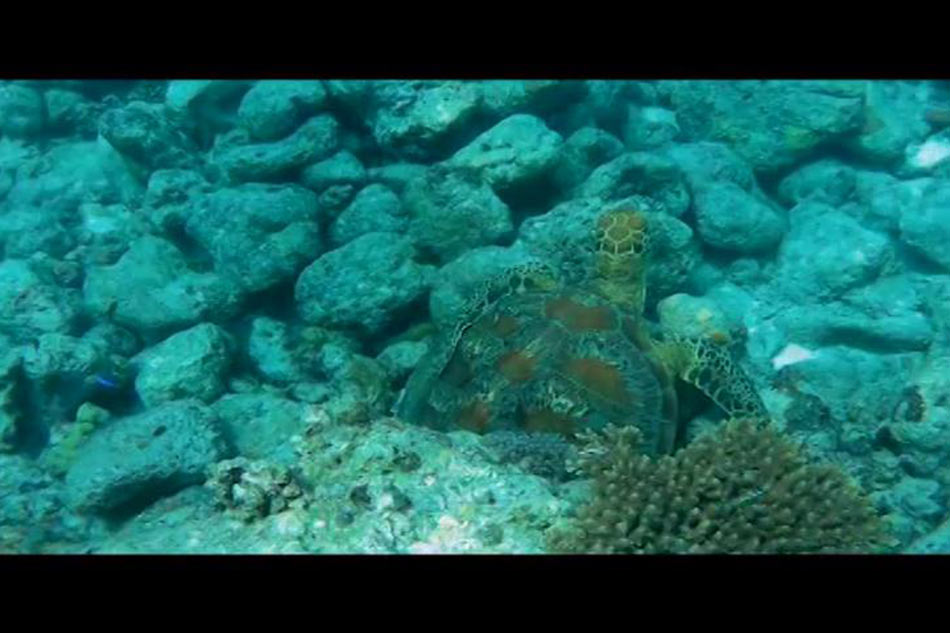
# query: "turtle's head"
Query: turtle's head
{"points": [[622, 244], [621, 257]]}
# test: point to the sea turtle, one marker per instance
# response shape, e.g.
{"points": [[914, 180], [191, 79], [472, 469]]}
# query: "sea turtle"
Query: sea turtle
{"points": [[531, 353]]}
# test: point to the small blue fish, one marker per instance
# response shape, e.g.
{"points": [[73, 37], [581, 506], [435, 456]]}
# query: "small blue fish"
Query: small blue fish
{"points": [[107, 381]]}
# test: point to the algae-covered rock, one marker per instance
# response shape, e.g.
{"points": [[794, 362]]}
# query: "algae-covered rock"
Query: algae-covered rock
{"points": [[28, 230], [34, 518], [152, 289], [335, 180], [365, 284], [729, 218], [396, 176], [190, 364], [399, 359], [883, 199], [893, 119], [68, 174], [706, 161], [22, 111], [392, 487], [142, 132], [418, 119], [582, 152], [927, 227], [258, 235], [770, 124], [504, 97], [649, 127], [699, 317], [827, 253], [274, 108], [639, 174], [138, 459], [260, 425], [30, 308], [827, 180], [517, 151], [451, 212], [314, 140], [374, 209], [68, 112], [270, 349]]}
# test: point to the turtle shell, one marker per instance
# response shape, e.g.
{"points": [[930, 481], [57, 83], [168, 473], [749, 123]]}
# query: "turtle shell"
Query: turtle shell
{"points": [[558, 361]]}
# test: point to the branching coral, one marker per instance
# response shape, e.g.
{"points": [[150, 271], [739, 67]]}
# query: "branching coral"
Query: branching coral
{"points": [[741, 489]]}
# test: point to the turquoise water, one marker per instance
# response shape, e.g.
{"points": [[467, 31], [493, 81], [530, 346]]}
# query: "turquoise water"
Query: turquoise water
{"points": [[418, 317]]}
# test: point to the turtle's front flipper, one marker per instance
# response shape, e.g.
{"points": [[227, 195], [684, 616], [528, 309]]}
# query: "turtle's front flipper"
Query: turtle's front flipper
{"points": [[709, 366]]}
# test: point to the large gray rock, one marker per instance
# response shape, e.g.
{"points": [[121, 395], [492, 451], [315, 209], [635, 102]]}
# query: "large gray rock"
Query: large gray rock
{"points": [[30, 308], [706, 161], [66, 175], [451, 212], [314, 140], [259, 235], [274, 108], [582, 152], [68, 112], [770, 124], [517, 151], [260, 426], [21, 111], [189, 364], [343, 168], [927, 227], [152, 289], [504, 97], [729, 218], [882, 199], [139, 459], [270, 349], [140, 131], [375, 208], [827, 180], [649, 127], [893, 119], [28, 230], [417, 119], [365, 284], [639, 174], [827, 253]]}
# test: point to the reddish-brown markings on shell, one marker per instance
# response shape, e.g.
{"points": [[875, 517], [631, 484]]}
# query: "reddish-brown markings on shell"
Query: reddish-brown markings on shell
{"points": [[579, 318], [517, 366], [599, 377], [504, 326], [547, 421], [475, 416]]}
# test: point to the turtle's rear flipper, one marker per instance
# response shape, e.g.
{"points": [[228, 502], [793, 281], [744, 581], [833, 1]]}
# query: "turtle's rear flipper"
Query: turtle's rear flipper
{"points": [[709, 366]]}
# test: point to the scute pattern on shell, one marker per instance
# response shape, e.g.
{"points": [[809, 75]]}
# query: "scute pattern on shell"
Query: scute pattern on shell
{"points": [[546, 360]]}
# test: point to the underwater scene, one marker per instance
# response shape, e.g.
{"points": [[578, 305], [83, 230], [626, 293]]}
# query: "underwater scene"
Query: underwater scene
{"points": [[459, 316]]}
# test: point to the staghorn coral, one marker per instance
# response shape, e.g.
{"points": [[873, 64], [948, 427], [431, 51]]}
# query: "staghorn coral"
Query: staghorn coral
{"points": [[741, 489]]}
